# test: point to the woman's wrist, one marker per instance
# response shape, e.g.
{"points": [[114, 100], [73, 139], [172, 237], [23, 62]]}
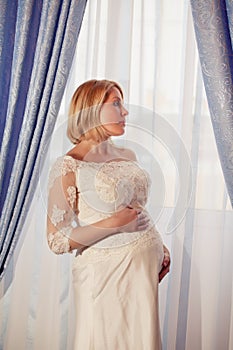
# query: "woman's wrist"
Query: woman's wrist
{"points": [[112, 225]]}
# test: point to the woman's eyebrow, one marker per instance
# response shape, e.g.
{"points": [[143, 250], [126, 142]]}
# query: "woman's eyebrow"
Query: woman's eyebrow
{"points": [[116, 97]]}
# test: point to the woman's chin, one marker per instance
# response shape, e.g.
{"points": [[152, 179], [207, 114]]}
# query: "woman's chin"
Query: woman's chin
{"points": [[116, 131], [119, 133]]}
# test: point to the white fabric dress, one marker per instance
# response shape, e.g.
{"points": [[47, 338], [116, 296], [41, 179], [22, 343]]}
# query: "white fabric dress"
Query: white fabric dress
{"points": [[116, 279]]}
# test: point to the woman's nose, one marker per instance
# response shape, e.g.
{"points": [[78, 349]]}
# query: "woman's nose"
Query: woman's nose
{"points": [[124, 111]]}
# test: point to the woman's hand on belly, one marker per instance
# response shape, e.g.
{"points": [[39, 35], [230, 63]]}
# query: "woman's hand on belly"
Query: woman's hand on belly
{"points": [[166, 263], [130, 220]]}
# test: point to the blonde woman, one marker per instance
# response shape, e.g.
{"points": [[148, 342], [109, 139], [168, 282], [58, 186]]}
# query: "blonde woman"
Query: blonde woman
{"points": [[97, 195]]}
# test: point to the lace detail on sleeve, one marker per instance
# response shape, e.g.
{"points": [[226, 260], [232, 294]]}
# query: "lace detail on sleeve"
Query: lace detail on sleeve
{"points": [[62, 204], [61, 167], [58, 243], [57, 215], [71, 190]]}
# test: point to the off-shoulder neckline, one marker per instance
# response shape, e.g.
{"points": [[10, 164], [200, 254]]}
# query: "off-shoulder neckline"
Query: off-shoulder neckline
{"points": [[106, 162]]}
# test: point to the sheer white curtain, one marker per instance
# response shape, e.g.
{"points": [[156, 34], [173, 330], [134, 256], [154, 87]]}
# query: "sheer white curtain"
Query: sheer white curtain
{"points": [[149, 48]]}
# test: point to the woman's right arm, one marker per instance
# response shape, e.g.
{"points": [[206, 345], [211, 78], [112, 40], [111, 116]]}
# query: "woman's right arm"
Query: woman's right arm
{"points": [[63, 230], [125, 220]]}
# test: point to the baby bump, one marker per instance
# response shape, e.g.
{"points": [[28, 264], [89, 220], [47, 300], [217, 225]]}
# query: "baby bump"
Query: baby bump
{"points": [[102, 251]]}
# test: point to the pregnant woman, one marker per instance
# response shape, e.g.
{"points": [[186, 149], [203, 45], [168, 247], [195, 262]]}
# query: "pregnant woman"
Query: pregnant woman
{"points": [[96, 207]]}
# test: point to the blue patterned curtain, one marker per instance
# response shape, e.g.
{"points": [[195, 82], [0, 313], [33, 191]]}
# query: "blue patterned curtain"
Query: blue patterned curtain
{"points": [[37, 44], [213, 22]]}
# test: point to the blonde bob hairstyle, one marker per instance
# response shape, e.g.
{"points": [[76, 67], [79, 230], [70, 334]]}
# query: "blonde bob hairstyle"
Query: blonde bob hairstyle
{"points": [[84, 113]]}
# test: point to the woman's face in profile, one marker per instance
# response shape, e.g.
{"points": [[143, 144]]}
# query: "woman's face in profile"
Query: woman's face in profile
{"points": [[113, 113]]}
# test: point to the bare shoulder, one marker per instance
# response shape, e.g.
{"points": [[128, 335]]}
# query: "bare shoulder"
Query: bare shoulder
{"points": [[129, 154]]}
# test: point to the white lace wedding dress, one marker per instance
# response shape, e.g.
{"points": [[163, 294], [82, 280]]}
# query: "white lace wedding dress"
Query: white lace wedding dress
{"points": [[116, 279]]}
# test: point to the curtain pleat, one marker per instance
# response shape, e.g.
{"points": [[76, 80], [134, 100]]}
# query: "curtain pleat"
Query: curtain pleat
{"points": [[19, 65], [214, 28], [8, 15], [43, 51]]}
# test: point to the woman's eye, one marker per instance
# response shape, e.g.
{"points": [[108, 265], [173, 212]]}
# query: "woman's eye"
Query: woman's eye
{"points": [[116, 103]]}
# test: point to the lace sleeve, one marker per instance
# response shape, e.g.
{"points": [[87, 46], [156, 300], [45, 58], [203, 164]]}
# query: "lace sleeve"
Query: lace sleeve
{"points": [[62, 204]]}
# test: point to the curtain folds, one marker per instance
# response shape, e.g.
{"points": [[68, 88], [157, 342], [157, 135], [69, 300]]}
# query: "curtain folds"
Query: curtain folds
{"points": [[214, 34], [37, 54]]}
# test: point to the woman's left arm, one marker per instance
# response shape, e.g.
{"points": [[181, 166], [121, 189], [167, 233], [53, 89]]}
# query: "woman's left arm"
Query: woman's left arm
{"points": [[166, 264]]}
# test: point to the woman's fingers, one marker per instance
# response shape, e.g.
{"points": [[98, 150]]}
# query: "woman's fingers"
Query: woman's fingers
{"points": [[142, 221], [131, 219], [166, 264], [142, 217]]}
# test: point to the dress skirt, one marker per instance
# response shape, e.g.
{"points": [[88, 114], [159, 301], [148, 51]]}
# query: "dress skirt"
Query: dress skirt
{"points": [[116, 296]]}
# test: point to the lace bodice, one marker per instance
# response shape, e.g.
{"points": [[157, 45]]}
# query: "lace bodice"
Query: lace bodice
{"points": [[82, 193]]}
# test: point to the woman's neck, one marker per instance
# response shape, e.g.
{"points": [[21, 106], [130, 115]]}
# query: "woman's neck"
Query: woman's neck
{"points": [[90, 150]]}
